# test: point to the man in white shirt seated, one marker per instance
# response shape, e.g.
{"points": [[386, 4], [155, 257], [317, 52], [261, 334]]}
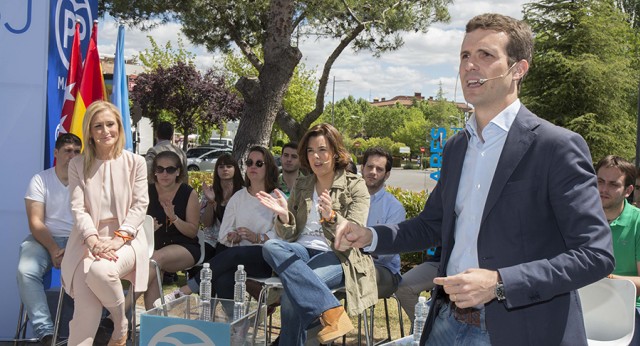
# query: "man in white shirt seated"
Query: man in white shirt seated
{"points": [[50, 221]]}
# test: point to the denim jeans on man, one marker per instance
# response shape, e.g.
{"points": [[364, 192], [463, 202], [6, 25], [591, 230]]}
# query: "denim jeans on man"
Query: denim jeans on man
{"points": [[447, 331], [308, 276], [34, 262]]}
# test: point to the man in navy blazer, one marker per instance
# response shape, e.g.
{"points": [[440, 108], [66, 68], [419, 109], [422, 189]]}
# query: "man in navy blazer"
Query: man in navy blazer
{"points": [[516, 210]]}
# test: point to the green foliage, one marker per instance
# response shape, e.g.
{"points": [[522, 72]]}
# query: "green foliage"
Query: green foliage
{"points": [[276, 150], [197, 178], [414, 131], [413, 202], [583, 77], [165, 56]]}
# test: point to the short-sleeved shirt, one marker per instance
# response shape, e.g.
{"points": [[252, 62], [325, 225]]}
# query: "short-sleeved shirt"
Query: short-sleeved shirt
{"points": [[625, 231], [45, 187]]}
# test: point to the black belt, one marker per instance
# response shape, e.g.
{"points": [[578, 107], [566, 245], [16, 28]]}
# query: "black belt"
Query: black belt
{"points": [[469, 316]]}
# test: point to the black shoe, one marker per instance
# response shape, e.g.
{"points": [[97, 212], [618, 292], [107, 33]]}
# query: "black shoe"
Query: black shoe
{"points": [[46, 340]]}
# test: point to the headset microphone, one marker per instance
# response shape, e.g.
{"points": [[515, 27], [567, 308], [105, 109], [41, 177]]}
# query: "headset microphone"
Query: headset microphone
{"points": [[325, 162], [481, 81]]}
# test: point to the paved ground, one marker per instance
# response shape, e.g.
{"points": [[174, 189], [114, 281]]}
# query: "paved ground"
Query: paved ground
{"points": [[411, 179]]}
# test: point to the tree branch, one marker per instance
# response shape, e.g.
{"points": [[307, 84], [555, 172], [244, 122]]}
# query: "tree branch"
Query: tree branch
{"points": [[245, 48]]}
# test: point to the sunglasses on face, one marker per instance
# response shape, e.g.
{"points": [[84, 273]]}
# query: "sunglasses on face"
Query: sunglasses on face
{"points": [[169, 170], [259, 163]]}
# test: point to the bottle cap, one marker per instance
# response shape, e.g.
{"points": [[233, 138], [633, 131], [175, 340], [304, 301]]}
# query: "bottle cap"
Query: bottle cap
{"points": [[240, 266], [422, 299], [205, 265]]}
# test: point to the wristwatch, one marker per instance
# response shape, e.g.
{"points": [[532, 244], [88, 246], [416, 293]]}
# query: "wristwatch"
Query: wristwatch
{"points": [[500, 291]]}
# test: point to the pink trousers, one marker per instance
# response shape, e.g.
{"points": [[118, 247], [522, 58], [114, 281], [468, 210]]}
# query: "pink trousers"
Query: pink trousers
{"points": [[96, 283]]}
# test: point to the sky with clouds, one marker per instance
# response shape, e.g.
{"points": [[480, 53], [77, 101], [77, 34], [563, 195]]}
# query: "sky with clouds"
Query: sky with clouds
{"points": [[425, 60]]}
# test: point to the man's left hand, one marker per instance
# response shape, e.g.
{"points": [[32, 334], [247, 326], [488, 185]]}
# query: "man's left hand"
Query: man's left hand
{"points": [[473, 287]]}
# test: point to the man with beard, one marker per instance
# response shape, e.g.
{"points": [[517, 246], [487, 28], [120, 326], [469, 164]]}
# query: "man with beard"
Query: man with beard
{"points": [[384, 209], [290, 168], [616, 177]]}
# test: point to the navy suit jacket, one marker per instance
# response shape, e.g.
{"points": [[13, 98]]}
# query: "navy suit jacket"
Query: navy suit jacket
{"points": [[543, 228]]}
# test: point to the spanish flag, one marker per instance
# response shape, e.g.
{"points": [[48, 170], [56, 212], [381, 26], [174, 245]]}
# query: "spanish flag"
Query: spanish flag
{"points": [[73, 82], [91, 85]]}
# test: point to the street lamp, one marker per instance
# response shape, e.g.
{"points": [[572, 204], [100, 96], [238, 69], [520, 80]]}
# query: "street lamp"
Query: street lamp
{"points": [[333, 97]]}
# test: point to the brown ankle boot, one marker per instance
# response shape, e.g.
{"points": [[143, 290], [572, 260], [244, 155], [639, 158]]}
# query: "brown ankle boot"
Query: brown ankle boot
{"points": [[335, 323]]}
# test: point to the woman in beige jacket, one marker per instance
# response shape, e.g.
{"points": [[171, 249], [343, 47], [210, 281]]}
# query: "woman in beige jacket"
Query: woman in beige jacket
{"points": [[109, 199], [306, 261]]}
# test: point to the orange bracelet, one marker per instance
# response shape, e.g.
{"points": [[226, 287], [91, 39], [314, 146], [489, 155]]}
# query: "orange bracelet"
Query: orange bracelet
{"points": [[331, 218], [123, 235]]}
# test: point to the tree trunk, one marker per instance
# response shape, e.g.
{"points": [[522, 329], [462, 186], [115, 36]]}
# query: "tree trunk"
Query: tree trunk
{"points": [[263, 95]]}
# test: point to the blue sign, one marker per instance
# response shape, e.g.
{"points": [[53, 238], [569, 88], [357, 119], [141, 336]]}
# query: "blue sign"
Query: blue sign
{"points": [[161, 330], [437, 142]]}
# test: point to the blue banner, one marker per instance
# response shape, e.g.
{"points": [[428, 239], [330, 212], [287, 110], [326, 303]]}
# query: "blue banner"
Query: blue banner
{"points": [[62, 19]]}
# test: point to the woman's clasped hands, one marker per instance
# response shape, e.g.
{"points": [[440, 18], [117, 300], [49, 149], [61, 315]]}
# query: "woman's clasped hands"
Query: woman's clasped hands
{"points": [[105, 248]]}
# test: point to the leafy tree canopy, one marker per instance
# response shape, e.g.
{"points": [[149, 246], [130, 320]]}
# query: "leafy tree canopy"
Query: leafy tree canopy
{"points": [[582, 75], [195, 100], [275, 26]]}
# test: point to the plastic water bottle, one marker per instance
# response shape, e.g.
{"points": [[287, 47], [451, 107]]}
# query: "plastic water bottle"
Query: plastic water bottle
{"points": [[422, 310], [239, 291], [205, 292]]}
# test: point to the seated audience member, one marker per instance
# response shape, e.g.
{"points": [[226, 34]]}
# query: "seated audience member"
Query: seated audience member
{"points": [[384, 209], [417, 280], [616, 178], [246, 225], [175, 210], [164, 137], [109, 198], [290, 168], [50, 221], [305, 261], [227, 180]]}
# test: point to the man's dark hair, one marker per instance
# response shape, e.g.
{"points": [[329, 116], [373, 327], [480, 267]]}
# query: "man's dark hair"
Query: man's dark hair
{"points": [[626, 167], [164, 130], [380, 152], [292, 145], [67, 138]]}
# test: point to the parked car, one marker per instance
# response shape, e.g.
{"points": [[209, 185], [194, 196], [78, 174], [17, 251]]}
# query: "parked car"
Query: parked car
{"points": [[206, 161], [221, 142], [198, 151]]}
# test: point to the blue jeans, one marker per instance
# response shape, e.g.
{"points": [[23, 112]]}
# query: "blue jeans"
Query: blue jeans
{"points": [[447, 331], [308, 276], [34, 262]]}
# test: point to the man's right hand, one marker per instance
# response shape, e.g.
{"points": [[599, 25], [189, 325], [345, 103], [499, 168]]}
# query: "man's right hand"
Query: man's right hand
{"points": [[349, 234], [56, 257]]}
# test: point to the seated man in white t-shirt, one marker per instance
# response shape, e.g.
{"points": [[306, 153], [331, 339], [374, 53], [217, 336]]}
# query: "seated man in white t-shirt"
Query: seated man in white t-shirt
{"points": [[50, 221]]}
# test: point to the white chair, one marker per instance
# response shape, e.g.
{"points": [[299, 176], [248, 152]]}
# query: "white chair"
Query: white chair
{"points": [[609, 308]]}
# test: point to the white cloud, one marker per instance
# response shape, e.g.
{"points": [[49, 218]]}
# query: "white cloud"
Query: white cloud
{"points": [[419, 66]]}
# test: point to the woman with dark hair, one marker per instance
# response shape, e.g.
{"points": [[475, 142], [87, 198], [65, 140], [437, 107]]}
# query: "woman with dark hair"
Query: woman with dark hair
{"points": [[305, 260], [246, 225], [175, 211], [227, 180]]}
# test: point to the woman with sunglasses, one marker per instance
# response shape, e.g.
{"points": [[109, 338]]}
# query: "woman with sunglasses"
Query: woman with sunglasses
{"points": [[109, 198], [227, 180], [246, 225], [175, 210], [306, 262]]}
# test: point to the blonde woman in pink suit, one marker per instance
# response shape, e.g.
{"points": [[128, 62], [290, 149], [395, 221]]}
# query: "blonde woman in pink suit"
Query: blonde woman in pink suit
{"points": [[109, 198]]}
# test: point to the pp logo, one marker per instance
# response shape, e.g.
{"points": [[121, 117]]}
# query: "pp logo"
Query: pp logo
{"points": [[67, 11], [169, 336]]}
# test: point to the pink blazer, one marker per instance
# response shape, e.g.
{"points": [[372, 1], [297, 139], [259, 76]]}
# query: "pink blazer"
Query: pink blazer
{"points": [[129, 180]]}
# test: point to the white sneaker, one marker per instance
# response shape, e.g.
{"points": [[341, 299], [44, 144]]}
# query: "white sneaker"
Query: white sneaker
{"points": [[169, 297]]}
